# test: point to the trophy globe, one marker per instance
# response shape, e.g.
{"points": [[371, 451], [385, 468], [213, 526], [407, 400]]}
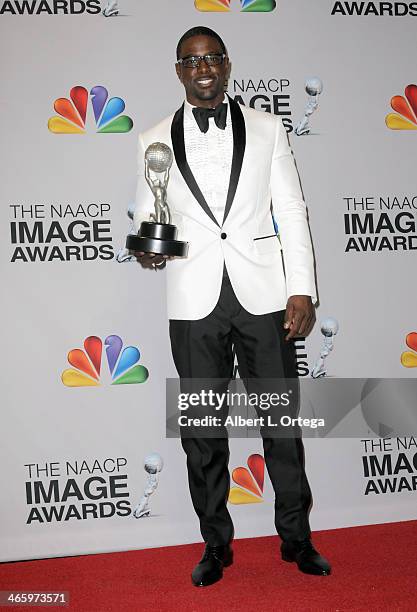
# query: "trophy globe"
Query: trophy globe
{"points": [[329, 327], [153, 463], [159, 157], [314, 86]]}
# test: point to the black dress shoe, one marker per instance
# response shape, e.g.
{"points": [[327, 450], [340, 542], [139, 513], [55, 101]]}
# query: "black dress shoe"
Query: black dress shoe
{"points": [[210, 568], [306, 556]]}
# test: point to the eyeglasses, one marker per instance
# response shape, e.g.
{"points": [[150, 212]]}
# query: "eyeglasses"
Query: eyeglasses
{"points": [[193, 61]]}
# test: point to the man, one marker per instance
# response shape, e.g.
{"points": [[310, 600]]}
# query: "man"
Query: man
{"points": [[231, 290]]}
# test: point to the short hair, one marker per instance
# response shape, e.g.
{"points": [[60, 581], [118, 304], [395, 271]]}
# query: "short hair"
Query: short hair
{"points": [[200, 31]]}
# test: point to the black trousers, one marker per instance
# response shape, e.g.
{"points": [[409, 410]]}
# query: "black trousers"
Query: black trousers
{"points": [[204, 349]]}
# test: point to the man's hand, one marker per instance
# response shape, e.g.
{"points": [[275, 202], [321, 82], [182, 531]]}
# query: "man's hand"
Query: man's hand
{"points": [[151, 261], [299, 316]]}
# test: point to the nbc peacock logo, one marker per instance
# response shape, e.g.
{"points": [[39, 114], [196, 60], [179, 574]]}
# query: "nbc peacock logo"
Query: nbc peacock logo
{"points": [[409, 358], [405, 116], [250, 482], [246, 6], [73, 112], [122, 362]]}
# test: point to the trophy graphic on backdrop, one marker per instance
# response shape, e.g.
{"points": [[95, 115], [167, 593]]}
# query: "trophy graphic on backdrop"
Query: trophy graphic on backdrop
{"points": [[329, 328], [111, 9], [153, 464], [124, 255], [158, 235], [314, 87]]}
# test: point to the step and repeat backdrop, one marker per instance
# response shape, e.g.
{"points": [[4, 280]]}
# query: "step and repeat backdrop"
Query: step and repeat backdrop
{"points": [[85, 463]]}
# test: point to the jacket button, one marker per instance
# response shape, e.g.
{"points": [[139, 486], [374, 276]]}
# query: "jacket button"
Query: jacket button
{"points": [[223, 235]]}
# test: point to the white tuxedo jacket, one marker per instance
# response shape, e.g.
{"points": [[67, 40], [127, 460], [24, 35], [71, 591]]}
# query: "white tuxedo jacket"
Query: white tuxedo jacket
{"points": [[264, 269]]}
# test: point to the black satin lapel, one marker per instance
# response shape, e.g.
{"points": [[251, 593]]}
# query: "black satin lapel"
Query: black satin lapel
{"points": [[178, 144], [239, 144]]}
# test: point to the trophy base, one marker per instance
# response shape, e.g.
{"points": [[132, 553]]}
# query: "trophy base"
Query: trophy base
{"points": [[159, 238]]}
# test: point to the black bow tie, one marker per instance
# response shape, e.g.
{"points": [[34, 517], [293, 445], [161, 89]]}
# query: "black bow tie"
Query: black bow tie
{"points": [[202, 116]]}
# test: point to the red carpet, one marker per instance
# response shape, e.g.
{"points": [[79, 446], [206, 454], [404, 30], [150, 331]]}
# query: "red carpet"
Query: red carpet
{"points": [[374, 568]]}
